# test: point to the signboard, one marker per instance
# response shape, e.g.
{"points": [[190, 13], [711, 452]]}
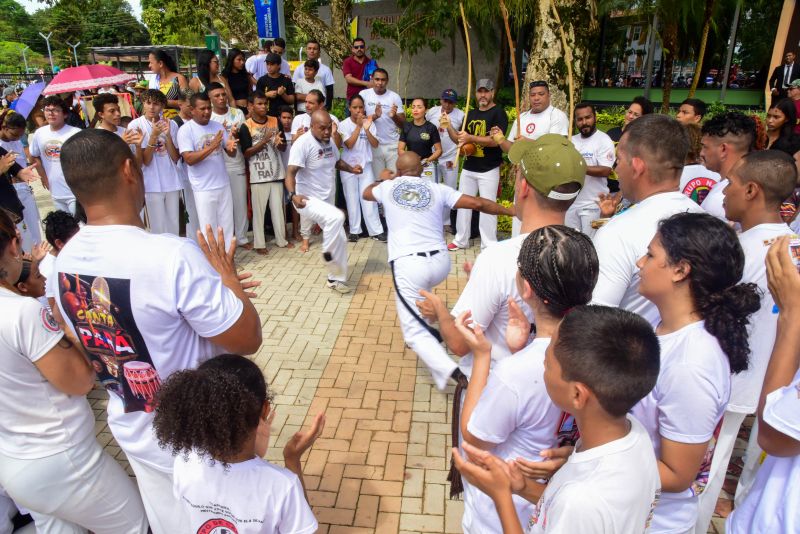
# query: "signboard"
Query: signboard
{"points": [[212, 43], [269, 18]]}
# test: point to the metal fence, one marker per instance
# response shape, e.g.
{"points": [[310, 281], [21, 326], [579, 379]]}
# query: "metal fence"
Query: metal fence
{"points": [[23, 79]]}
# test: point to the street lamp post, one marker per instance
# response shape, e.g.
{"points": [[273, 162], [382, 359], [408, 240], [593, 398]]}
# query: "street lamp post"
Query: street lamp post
{"points": [[74, 51], [25, 58], [49, 51]]}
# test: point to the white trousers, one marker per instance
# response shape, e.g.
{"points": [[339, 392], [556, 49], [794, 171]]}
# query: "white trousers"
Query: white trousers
{"points": [[162, 212], [215, 207], [354, 185], [238, 178], [191, 210], [30, 227], [263, 195], [412, 274], [752, 463], [384, 157], [334, 240], [164, 511], [580, 217], [707, 501], [484, 184], [77, 490], [70, 205], [448, 175]]}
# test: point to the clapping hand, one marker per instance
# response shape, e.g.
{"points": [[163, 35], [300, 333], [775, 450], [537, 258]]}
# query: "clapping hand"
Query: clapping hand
{"points": [[473, 335], [519, 328], [133, 137], [302, 441], [39, 251], [393, 111], [608, 203]]}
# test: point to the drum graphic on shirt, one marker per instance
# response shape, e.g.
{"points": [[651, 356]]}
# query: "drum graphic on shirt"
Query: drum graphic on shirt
{"points": [[217, 526], [100, 311], [477, 127], [52, 149], [697, 189]]}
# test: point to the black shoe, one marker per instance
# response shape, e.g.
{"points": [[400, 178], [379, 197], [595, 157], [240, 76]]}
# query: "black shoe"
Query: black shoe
{"points": [[380, 237], [352, 238]]}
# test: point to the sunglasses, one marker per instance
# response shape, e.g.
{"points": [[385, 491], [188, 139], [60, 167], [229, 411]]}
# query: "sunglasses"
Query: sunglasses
{"points": [[359, 47]]}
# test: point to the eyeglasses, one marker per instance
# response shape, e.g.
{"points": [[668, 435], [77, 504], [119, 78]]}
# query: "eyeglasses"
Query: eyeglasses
{"points": [[538, 83], [52, 110], [359, 47]]}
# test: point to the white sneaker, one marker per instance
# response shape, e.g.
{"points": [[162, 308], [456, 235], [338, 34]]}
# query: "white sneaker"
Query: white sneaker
{"points": [[339, 287]]}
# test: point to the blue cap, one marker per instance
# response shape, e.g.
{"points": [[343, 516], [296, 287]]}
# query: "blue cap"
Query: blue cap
{"points": [[449, 94]]}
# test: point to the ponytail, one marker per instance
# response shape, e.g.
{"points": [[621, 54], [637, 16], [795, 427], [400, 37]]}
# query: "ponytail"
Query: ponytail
{"points": [[726, 317]]}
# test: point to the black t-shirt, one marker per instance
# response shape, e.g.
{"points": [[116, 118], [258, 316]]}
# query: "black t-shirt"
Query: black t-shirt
{"points": [[480, 123], [615, 134], [8, 195], [268, 83], [420, 139]]}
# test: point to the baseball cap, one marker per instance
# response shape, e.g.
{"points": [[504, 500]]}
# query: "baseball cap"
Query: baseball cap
{"points": [[449, 94], [9, 91], [485, 83], [273, 58], [795, 84], [549, 162]]}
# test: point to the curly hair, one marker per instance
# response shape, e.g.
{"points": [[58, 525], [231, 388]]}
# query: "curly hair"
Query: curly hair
{"points": [[211, 410], [716, 258], [734, 124], [561, 266], [59, 225]]}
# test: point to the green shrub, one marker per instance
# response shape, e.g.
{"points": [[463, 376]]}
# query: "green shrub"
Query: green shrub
{"points": [[504, 221]]}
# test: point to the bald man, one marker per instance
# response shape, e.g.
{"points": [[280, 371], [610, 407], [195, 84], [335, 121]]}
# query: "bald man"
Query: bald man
{"points": [[413, 207], [310, 181]]}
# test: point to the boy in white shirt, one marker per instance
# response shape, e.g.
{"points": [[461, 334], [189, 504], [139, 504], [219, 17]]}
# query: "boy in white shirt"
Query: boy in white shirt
{"points": [[386, 109], [304, 85], [600, 362]]}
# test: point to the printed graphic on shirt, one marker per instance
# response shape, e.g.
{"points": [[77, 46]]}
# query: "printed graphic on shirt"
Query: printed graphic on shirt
{"points": [[207, 140], [567, 432], [652, 510], [224, 522], [697, 189], [412, 196], [100, 310], [217, 526], [266, 164], [477, 127], [48, 321], [530, 128], [52, 149]]}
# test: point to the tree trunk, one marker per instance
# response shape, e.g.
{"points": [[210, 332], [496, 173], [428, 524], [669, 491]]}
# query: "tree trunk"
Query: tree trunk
{"points": [[333, 38], [669, 42], [701, 52]]}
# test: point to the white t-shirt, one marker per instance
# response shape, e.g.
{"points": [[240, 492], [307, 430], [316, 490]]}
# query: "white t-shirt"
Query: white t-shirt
{"points": [[36, 419], [210, 173], [516, 413], [252, 497], [317, 162], [232, 120], [47, 269], [456, 118], [610, 488], [388, 131], [161, 175], [257, 65], [324, 75], [697, 182], [303, 120], [492, 281], [361, 153], [16, 146], [305, 87], [597, 150], [287, 150], [690, 396], [771, 505], [412, 205], [535, 125], [143, 306], [46, 144], [713, 201], [620, 244], [746, 386]]}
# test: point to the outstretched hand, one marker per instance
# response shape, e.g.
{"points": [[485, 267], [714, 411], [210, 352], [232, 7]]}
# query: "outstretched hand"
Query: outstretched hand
{"points": [[303, 440], [608, 202], [518, 330], [222, 260], [430, 306]]}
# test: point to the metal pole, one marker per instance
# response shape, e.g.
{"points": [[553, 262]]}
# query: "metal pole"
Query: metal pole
{"points": [[729, 58], [49, 52], [651, 53], [25, 58], [74, 51]]}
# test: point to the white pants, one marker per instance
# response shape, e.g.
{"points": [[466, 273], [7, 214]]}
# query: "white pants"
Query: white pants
{"points": [[429, 173], [334, 240], [191, 210], [707, 501], [448, 175], [215, 207], [580, 217], [164, 511], [29, 227], [384, 157], [70, 205], [77, 490], [162, 212], [752, 463], [263, 195], [412, 274], [354, 185], [485, 184], [238, 178]]}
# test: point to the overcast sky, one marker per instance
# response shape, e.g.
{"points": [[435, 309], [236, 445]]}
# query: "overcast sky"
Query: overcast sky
{"points": [[33, 5]]}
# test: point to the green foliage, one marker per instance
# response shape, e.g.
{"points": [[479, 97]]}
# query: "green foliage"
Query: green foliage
{"points": [[11, 57], [610, 117], [756, 33], [504, 221]]}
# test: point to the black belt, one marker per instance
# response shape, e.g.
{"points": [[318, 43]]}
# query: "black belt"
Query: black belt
{"points": [[431, 330], [454, 476], [426, 254]]}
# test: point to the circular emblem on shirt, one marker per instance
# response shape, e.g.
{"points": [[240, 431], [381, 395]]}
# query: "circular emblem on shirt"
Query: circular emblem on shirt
{"points": [[52, 149], [206, 141], [697, 188], [425, 136], [217, 526], [48, 321], [530, 127], [413, 196]]}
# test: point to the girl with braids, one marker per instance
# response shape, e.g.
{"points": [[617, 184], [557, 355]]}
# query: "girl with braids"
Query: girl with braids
{"points": [[691, 272], [508, 411], [215, 419]]}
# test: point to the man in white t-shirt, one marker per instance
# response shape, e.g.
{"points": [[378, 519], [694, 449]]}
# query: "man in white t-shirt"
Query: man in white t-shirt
{"points": [[726, 138], [386, 109], [418, 252], [201, 142], [314, 100], [598, 151], [279, 47], [324, 74], [757, 185], [45, 150], [231, 118], [444, 115], [143, 306], [650, 156], [310, 181], [256, 65], [308, 82]]}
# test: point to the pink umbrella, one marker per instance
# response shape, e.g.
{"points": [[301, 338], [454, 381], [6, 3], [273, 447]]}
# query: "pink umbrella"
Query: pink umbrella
{"points": [[86, 77]]}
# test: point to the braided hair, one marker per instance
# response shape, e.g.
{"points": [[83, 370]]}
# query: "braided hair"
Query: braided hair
{"points": [[561, 266], [716, 258]]}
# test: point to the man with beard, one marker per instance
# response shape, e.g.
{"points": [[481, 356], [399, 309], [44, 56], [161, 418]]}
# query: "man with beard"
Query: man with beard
{"points": [[447, 116], [597, 150], [353, 69]]}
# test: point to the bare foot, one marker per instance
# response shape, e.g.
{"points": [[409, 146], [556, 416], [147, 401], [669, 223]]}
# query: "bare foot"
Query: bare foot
{"points": [[289, 245], [304, 246], [247, 246], [261, 251]]}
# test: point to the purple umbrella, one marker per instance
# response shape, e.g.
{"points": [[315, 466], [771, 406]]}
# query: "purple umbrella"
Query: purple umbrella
{"points": [[27, 100]]}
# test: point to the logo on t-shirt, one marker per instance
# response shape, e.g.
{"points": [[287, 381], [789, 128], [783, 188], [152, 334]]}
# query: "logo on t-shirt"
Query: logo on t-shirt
{"points": [[48, 321], [530, 128], [52, 149], [425, 136], [697, 189], [217, 526], [206, 141], [100, 310], [477, 127], [412, 196]]}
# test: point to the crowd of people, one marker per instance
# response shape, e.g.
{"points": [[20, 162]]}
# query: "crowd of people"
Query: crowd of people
{"points": [[605, 356]]}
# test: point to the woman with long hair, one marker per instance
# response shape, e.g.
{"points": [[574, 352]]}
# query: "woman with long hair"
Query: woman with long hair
{"points": [[236, 78], [207, 73], [781, 120], [168, 80], [691, 272]]}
